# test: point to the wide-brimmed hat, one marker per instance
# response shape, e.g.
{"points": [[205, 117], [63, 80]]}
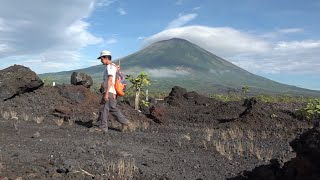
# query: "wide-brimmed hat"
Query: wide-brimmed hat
{"points": [[104, 53]]}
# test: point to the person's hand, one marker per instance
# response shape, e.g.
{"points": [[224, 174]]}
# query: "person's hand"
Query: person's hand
{"points": [[101, 88], [106, 97]]}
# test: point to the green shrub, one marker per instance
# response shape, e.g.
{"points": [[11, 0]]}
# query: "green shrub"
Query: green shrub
{"points": [[144, 103], [245, 90], [158, 94], [311, 111], [227, 97], [47, 81], [267, 98], [280, 98], [96, 88]]}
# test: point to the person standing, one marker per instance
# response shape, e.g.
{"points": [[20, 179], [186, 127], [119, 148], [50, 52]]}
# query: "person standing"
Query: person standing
{"points": [[108, 101]]}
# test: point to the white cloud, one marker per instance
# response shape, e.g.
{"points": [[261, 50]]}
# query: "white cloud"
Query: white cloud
{"points": [[53, 32], [162, 72], [250, 51], [182, 20], [4, 48], [121, 11], [78, 34], [179, 2], [111, 41], [166, 72], [3, 26], [141, 37], [296, 45], [196, 8], [103, 3], [221, 41], [291, 30], [46, 62], [280, 33]]}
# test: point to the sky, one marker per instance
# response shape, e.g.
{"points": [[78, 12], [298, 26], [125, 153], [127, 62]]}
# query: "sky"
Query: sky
{"points": [[279, 40]]}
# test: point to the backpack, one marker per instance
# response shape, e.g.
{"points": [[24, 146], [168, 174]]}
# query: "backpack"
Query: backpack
{"points": [[120, 85]]}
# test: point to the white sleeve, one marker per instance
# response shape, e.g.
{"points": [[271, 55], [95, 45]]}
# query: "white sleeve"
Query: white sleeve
{"points": [[111, 70]]}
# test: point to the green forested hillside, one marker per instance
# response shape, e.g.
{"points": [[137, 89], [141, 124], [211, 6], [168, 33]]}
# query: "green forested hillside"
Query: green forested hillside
{"points": [[179, 62]]}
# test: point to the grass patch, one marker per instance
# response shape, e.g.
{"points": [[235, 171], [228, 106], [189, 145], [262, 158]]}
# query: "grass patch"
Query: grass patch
{"points": [[281, 98], [236, 142], [227, 97], [38, 119], [262, 97], [124, 168]]}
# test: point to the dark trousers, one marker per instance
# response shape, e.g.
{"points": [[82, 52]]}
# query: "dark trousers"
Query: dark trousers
{"points": [[110, 106]]}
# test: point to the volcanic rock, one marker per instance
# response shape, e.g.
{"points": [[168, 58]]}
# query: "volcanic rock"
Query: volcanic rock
{"points": [[16, 80], [80, 78], [306, 165]]}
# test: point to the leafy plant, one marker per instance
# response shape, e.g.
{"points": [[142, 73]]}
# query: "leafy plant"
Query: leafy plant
{"points": [[311, 111], [138, 84], [245, 90], [144, 103], [47, 81]]}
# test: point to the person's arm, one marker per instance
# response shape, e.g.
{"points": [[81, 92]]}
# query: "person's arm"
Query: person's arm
{"points": [[106, 95], [101, 88]]}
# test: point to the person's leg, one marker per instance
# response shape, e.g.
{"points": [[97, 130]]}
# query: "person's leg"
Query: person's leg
{"points": [[104, 109], [115, 111]]}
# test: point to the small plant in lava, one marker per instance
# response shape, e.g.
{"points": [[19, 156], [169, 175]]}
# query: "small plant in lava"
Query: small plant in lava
{"points": [[311, 111]]}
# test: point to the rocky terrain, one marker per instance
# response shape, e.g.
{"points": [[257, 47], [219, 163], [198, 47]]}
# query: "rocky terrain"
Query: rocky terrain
{"points": [[47, 132]]}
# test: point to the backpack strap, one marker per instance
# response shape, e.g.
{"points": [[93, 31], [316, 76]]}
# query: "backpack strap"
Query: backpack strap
{"points": [[115, 67]]}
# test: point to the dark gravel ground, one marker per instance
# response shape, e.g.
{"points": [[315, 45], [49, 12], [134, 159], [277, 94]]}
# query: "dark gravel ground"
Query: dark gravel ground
{"points": [[49, 134]]}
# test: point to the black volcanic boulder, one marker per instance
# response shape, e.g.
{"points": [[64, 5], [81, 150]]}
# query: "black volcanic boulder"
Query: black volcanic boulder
{"points": [[79, 103], [175, 96], [16, 80], [80, 78], [180, 96], [307, 146], [177, 92]]}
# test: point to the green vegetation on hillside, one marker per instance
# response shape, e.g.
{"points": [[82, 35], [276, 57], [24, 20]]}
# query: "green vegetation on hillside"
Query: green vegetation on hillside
{"points": [[179, 62]]}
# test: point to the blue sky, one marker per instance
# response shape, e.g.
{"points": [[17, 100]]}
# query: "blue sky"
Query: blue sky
{"points": [[279, 40]]}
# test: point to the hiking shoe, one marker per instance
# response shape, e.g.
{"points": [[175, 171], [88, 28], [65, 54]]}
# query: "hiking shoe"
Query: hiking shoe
{"points": [[126, 127], [103, 130]]}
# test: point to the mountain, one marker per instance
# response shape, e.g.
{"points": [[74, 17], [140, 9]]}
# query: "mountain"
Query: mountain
{"points": [[179, 62]]}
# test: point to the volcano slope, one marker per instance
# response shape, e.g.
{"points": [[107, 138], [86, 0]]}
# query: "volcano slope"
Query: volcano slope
{"points": [[48, 134]]}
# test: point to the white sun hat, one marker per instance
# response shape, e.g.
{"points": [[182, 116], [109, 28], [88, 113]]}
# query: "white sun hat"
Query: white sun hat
{"points": [[104, 53]]}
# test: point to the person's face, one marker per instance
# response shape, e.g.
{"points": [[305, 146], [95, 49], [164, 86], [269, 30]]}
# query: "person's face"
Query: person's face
{"points": [[104, 60]]}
